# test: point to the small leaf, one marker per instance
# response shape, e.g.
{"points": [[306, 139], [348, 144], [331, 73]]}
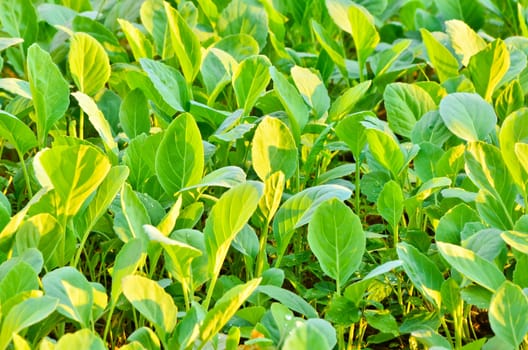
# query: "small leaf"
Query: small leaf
{"points": [[289, 299], [390, 203], [487, 68], [336, 237], [51, 94], [127, 261], [312, 89], [385, 150], [16, 132], [89, 64], [444, 63], [464, 40], [139, 44], [507, 314], [184, 43], [151, 300], [168, 82], [134, 114], [83, 339], [273, 149], [250, 80], [364, 34]]}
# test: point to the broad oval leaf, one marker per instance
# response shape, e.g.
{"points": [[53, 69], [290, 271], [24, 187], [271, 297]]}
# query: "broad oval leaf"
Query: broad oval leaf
{"points": [[336, 237], [83, 339], [289, 299], [50, 92], [127, 261], [385, 150], [353, 133], [225, 308], [74, 172], [250, 80], [422, 271], [364, 34], [273, 149], [405, 105], [467, 115], [516, 239], [507, 314], [16, 132], [514, 130], [140, 46], [151, 300], [74, 293], [472, 266], [312, 89], [25, 314], [89, 64], [242, 17], [180, 155], [465, 41], [308, 336]]}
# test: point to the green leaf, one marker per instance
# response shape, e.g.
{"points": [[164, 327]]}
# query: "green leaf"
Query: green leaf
{"points": [[347, 101], [444, 63], [405, 105], [336, 238], [250, 80], [273, 149], [185, 44], [239, 46], [20, 20], [19, 279], [471, 12], [516, 239], [422, 271], [507, 314], [51, 94], [180, 155], [134, 114], [331, 47], [472, 266], [74, 292], [25, 314], [8, 42], [299, 208], [464, 40], [89, 64], [364, 34], [308, 336], [180, 255], [225, 308], [510, 100], [353, 133], [487, 68], [312, 89], [270, 201], [83, 339], [139, 44], [515, 130], [289, 299], [16, 132], [386, 151], [16, 86], [127, 261], [135, 215], [228, 216], [74, 172], [486, 168], [169, 83], [390, 203], [431, 339], [97, 119], [292, 102], [217, 69], [151, 300], [467, 115], [242, 17]]}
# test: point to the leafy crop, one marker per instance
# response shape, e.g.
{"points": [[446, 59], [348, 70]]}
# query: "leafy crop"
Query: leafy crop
{"points": [[263, 174]]}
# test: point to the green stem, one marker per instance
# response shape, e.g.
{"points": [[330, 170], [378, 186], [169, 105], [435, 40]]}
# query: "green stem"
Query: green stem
{"points": [[81, 124], [262, 256], [357, 190], [210, 292], [77, 257], [25, 172], [341, 337]]}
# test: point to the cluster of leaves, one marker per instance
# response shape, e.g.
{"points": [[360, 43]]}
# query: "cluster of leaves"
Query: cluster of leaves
{"points": [[273, 174]]}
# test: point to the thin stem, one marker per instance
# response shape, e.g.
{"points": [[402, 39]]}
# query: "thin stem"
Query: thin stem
{"points": [[262, 250], [25, 172], [210, 292], [81, 124], [356, 189]]}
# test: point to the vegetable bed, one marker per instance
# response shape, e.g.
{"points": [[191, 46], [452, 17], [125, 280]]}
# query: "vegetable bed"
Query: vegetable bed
{"points": [[263, 174]]}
